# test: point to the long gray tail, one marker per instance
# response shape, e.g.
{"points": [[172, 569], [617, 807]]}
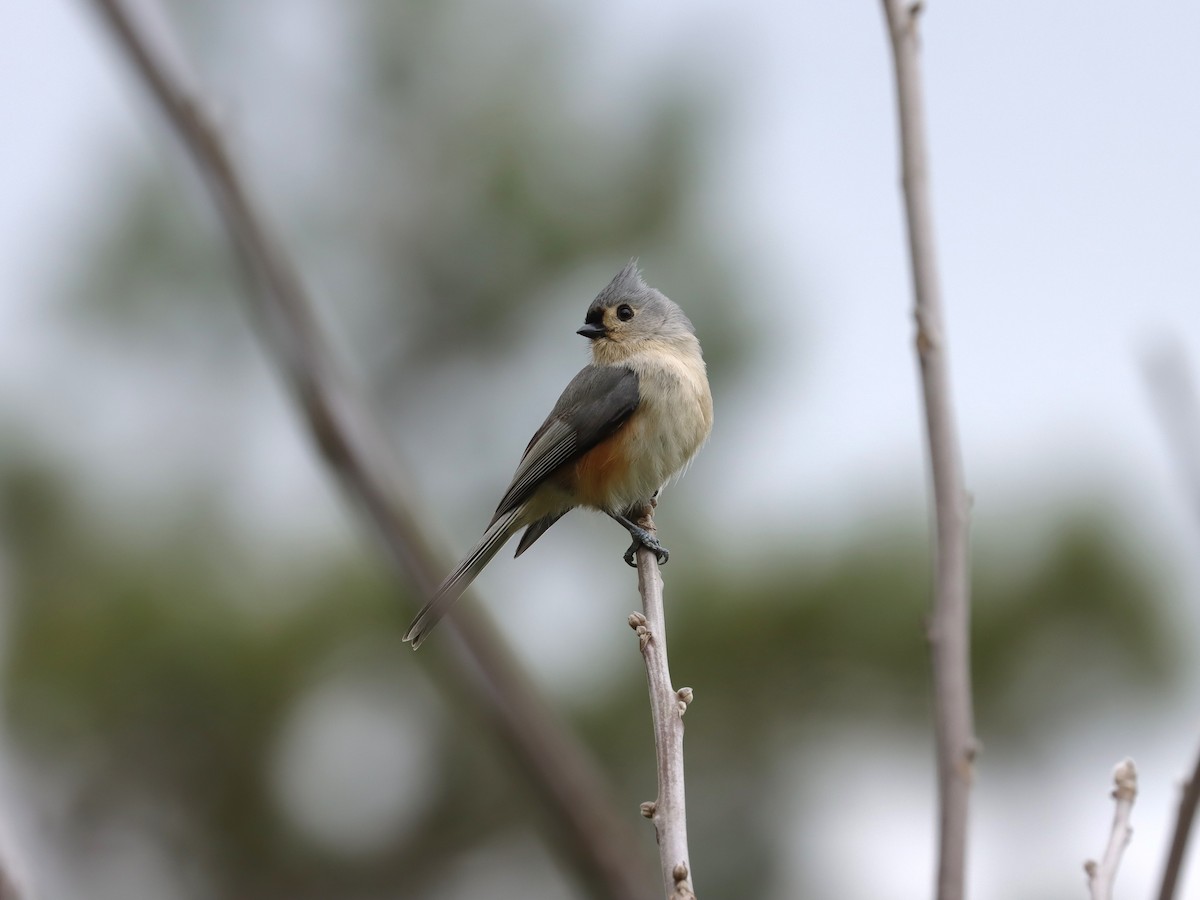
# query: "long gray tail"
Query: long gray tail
{"points": [[460, 579]]}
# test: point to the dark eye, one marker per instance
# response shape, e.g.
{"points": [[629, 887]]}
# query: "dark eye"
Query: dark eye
{"points": [[624, 312]]}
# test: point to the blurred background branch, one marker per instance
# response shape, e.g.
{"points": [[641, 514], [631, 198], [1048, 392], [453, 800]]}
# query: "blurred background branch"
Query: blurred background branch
{"points": [[949, 628], [10, 887], [1181, 832], [1176, 401]]}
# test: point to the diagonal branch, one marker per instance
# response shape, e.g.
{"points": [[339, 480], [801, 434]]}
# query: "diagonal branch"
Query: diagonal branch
{"points": [[949, 624], [667, 706], [1189, 799], [477, 667]]}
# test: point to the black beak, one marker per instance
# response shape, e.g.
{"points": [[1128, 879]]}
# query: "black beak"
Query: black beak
{"points": [[593, 330]]}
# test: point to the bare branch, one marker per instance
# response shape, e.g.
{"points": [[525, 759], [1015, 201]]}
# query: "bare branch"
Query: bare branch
{"points": [[667, 706], [478, 668], [949, 625], [1102, 875]]}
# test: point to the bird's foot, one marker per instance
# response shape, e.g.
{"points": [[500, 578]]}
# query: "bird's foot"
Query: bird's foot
{"points": [[643, 538]]}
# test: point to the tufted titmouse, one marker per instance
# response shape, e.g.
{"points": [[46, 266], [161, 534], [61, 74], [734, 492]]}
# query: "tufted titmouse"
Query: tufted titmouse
{"points": [[624, 426]]}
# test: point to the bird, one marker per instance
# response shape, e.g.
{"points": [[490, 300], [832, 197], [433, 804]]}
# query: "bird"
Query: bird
{"points": [[629, 422]]}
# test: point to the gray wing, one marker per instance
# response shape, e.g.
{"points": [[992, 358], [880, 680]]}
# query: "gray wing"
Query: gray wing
{"points": [[595, 404]]}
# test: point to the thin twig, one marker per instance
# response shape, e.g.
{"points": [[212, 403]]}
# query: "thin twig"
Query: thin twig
{"points": [[668, 811], [480, 670], [1177, 402], [949, 624], [1102, 875]]}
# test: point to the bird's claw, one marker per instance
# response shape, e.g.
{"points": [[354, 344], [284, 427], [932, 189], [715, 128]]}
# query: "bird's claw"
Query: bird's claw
{"points": [[641, 538], [661, 553]]}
